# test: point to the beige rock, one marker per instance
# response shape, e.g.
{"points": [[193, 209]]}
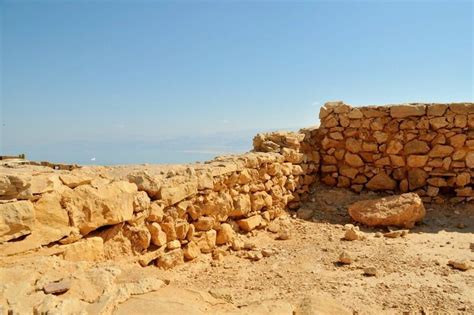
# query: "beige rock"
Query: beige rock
{"points": [[89, 249], [16, 220], [436, 110], [51, 218], [175, 192], [156, 212], [381, 181], [139, 236], [353, 160], [171, 259], [353, 145], [57, 287], [416, 147], [355, 113], [204, 223], [380, 137], [250, 223], [173, 245], [241, 205], [225, 234], [460, 121], [146, 182], [403, 111], [191, 251], [462, 265], [437, 182], [394, 146], [458, 140], [417, 160], [15, 187], [348, 171], [438, 122], [370, 271], [470, 160], [206, 241], [462, 108], [90, 208], [441, 151], [402, 210], [345, 258], [463, 179], [260, 200], [74, 180], [416, 178], [352, 234], [158, 236]]}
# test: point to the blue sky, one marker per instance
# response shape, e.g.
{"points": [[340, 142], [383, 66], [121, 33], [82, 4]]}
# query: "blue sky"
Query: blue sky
{"points": [[77, 73]]}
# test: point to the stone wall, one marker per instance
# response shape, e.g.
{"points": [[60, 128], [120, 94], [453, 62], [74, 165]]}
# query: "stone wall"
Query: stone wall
{"points": [[425, 148], [161, 214]]}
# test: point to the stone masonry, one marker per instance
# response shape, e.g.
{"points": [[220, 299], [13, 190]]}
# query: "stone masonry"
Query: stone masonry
{"points": [[423, 148]]}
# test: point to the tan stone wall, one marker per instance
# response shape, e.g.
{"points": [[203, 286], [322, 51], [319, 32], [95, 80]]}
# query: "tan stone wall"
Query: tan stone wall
{"points": [[165, 214], [425, 148]]}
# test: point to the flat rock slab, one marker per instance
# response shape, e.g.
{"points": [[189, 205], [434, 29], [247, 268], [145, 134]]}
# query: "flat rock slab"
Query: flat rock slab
{"points": [[401, 210], [58, 287]]}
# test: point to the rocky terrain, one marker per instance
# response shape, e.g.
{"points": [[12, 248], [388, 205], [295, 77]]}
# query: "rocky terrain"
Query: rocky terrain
{"points": [[302, 274], [257, 233]]}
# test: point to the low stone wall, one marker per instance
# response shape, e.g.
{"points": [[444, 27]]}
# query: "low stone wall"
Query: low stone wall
{"points": [[165, 214], [425, 148]]}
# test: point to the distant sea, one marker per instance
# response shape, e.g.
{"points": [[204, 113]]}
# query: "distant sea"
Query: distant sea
{"points": [[187, 149]]}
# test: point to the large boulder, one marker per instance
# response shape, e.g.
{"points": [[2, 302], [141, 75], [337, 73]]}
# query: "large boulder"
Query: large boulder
{"points": [[402, 210], [92, 207]]}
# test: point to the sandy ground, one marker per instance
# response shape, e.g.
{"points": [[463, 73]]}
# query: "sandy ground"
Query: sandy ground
{"points": [[301, 274]]}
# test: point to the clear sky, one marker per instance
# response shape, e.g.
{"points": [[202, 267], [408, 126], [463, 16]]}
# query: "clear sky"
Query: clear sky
{"points": [[75, 73]]}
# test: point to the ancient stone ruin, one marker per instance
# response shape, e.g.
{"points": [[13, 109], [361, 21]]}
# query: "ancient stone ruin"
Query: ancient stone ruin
{"points": [[166, 215], [425, 148]]}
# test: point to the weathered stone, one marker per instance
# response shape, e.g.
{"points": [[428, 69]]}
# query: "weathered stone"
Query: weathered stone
{"points": [[204, 223], [90, 208], [206, 241], [171, 259], [441, 151], [403, 111], [458, 140], [416, 147], [353, 160], [416, 178], [58, 287], [250, 223], [89, 249], [436, 110], [470, 160], [191, 251], [438, 122], [417, 160], [402, 210], [353, 145], [174, 193], [242, 205], [381, 181], [74, 180], [394, 147], [462, 108], [16, 220], [158, 236], [462, 265], [15, 187], [225, 234], [345, 258]]}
